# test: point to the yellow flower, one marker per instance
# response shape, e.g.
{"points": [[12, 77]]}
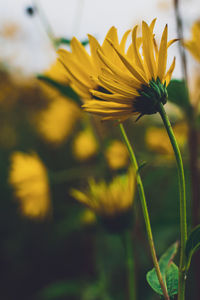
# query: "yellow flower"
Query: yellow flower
{"points": [[157, 139], [28, 176], [117, 155], [56, 123], [132, 82], [193, 45], [88, 217], [108, 200], [83, 69], [85, 145]]}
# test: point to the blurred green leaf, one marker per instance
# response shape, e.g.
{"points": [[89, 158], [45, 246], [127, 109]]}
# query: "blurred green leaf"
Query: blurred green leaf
{"points": [[169, 273], [63, 89], [65, 41], [178, 94], [60, 289], [192, 245]]}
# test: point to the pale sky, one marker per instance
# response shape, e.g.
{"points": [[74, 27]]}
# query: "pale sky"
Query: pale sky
{"points": [[30, 49]]}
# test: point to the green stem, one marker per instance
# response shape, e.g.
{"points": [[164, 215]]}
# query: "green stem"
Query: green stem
{"points": [[183, 217], [145, 212], [130, 265], [46, 24]]}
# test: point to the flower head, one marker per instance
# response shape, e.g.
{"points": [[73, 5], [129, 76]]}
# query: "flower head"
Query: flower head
{"points": [[29, 178], [132, 81], [117, 155], [108, 200], [193, 44], [84, 145], [57, 122], [82, 69]]}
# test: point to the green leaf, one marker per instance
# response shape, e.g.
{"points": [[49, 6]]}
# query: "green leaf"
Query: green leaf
{"points": [[169, 273], [60, 289], [65, 41], [63, 89], [192, 245], [178, 94]]}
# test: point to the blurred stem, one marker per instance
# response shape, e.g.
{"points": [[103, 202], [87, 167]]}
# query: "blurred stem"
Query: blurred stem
{"points": [[77, 19], [45, 23], [183, 216], [145, 211], [193, 147], [179, 25], [130, 264], [100, 242]]}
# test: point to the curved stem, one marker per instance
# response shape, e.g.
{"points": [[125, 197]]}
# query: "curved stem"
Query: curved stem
{"points": [[45, 23], [130, 265], [145, 212], [183, 217]]}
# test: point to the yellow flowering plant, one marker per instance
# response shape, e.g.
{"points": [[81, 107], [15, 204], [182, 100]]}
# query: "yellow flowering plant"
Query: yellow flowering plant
{"points": [[117, 81]]}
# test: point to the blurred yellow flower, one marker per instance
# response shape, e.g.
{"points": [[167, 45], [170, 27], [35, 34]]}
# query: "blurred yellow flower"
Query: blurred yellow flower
{"points": [[117, 155], [193, 44], [84, 145], [28, 176], [108, 199], [56, 123], [135, 83], [9, 30], [88, 217], [157, 139]]}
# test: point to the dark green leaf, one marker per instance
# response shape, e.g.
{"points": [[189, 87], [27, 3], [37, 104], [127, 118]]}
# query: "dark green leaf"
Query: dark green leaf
{"points": [[192, 245], [65, 90], [178, 94], [60, 289], [169, 273]]}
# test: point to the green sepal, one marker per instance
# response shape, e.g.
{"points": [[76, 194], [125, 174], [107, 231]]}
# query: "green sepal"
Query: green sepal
{"points": [[169, 273], [65, 90], [192, 245], [178, 94]]}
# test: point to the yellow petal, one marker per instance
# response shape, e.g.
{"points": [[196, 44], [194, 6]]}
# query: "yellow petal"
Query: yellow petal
{"points": [[112, 97], [74, 68], [112, 35], [129, 84], [135, 72], [136, 53], [152, 25], [162, 55], [147, 41], [81, 54], [171, 42], [124, 77], [170, 71], [114, 87], [94, 45], [123, 41]]}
